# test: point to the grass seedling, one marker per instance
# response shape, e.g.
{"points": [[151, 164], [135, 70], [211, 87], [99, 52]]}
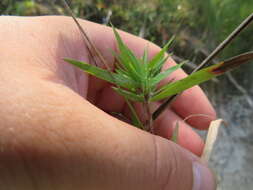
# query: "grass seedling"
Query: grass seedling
{"points": [[137, 78]]}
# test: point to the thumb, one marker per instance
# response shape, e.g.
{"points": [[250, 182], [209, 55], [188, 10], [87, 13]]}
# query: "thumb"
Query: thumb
{"points": [[58, 140], [128, 158]]}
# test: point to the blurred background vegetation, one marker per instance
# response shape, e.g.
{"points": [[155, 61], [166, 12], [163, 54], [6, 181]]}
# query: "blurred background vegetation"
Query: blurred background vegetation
{"points": [[199, 26]]}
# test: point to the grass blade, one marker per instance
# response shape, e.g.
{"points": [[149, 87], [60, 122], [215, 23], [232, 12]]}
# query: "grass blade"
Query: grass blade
{"points": [[174, 137], [202, 76], [117, 79], [127, 57], [159, 57], [135, 119], [165, 74], [93, 70], [129, 95], [124, 81]]}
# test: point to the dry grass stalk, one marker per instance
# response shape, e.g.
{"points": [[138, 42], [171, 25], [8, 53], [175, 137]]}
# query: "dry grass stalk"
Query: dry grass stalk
{"points": [[211, 139]]}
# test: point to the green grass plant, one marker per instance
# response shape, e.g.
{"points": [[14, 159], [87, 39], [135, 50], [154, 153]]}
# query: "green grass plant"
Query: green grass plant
{"points": [[137, 78]]}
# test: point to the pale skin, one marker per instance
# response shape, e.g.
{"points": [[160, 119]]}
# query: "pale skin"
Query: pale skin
{"points": [[53, 132]]}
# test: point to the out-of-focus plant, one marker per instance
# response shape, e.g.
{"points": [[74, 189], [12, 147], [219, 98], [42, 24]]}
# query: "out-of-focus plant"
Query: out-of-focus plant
{"points": [[200, 24]]}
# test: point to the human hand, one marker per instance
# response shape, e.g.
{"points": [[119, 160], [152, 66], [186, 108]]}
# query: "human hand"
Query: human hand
{"points": [[53, 138]]}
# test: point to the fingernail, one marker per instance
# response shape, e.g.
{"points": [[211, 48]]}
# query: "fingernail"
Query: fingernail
{"points": [[203, 178]]}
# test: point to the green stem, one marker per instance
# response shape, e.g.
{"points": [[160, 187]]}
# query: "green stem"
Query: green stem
{"points": [[149, 119], [139, 123]]}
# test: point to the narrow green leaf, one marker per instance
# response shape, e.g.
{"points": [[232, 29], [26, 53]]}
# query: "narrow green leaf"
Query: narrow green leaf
{"points": [[125, 64], [117, 79], [121, 72], [165, 74], [126, 55], [124, 81], [93, 70], [202, 76], [145, 63], [135, 119], [174, 137], [129, 95], [181, 85], [145, 56], [160, 56], [158, 67]]}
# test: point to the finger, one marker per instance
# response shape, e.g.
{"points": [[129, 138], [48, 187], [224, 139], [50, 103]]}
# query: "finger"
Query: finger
{"points": [[109, 100], [58, 140], [187, 138], [188, 104], [164, 126]]}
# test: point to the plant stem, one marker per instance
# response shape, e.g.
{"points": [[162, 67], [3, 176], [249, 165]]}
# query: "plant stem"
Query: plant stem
{"points": [[134, 114], [149, 119]]}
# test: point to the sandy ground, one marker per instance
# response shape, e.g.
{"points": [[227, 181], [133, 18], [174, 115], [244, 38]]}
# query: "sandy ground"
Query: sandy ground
{"points": [[232, 157]]}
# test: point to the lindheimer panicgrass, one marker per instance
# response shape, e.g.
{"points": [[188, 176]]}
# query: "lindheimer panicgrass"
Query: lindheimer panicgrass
{"points": [[137, 78]]}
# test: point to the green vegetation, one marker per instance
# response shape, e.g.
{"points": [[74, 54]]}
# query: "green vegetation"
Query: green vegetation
{"points": [[136, 79], [199, 25]]}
